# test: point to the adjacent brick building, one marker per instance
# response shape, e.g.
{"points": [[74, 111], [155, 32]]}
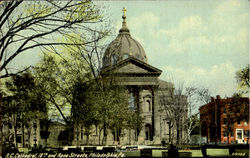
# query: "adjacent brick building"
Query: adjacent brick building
{"points": [[225, 120]]}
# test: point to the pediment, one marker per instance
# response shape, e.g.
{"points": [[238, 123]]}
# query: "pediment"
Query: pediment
{"points": [[132, 66]]}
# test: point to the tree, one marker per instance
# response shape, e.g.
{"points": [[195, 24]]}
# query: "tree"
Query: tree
{"points": [[42, 23], [57, 76], [174, 103], [23, 104], [242, 77], [235, 110], [115, 113], [182, 109], [196, 97], [69, 80], [179, 111], [25, 25], [84, 110]]}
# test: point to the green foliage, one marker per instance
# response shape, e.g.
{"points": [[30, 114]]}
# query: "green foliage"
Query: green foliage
{"points": [[242, 77], [69, 86], [235, 110], [25, 25], [112, 108], [25, 100]]}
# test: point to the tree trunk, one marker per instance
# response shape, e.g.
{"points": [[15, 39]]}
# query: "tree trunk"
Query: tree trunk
{"points": [[99, 136], [177, 132], [23, 135], [129, 137], [15, 135], [87, 139], [178, 136], [77, 138], [104, 140]]}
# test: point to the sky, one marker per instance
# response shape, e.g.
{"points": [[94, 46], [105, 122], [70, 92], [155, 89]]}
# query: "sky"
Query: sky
{"points": [[194, 42]]}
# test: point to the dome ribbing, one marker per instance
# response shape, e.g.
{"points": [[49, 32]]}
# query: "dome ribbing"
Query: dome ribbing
{"points": [[123, 47]]}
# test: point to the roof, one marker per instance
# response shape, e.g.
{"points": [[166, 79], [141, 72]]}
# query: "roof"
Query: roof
{"points": [[122, 47], [137, 63], [222, 101], [164, 84]]}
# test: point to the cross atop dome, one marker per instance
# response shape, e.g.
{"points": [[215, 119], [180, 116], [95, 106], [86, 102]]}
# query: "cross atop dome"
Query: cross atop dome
{"points": [[124, 28], [124, 12]]}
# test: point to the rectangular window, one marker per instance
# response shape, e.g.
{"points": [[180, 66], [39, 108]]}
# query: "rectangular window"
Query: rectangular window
{"points": [[224, 121], [132, 102], [238, 111], [232, 134], [232, 123], [246, 121], [246, 133], [225, 134], [238, 121], [224, 110], [239, 134]]}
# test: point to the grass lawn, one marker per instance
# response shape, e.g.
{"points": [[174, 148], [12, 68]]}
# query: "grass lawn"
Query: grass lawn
{"points": [[158, 153], [218, 152], [132, 153], [195, 153]]}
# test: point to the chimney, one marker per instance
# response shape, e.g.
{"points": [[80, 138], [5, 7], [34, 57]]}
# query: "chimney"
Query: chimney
{"points": [[218, 97], [212, 99]]}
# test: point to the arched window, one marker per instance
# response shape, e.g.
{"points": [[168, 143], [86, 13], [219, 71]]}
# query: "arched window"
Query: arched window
{"points": [[148, 133], [105, 61], [137, 56], [132, 102], [125, 56], [147, 106], [114, 59]]}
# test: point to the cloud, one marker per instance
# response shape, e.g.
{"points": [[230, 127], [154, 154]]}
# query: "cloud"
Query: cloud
{"points": [[144, 24], [220, 79], [231, 14], [203, 47], [225, 28], [147, 20]]}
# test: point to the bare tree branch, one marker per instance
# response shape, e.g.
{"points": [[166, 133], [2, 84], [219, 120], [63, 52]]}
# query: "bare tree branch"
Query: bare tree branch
{"points": [[46, 18]]}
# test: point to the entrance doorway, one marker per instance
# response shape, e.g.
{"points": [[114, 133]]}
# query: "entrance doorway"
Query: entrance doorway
{"points": [[148, 132], [239, 136]]}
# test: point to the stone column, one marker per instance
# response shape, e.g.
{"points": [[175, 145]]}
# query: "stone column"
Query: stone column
{"points": [[141, 135], [156, 117], [140, 99]]}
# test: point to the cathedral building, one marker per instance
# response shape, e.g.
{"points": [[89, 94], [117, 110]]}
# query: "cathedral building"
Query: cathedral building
{"points": [[127, 61], [163, 113]]}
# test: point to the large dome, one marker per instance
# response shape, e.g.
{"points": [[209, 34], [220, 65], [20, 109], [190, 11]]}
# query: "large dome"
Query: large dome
{"points": [[123, 47]]}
